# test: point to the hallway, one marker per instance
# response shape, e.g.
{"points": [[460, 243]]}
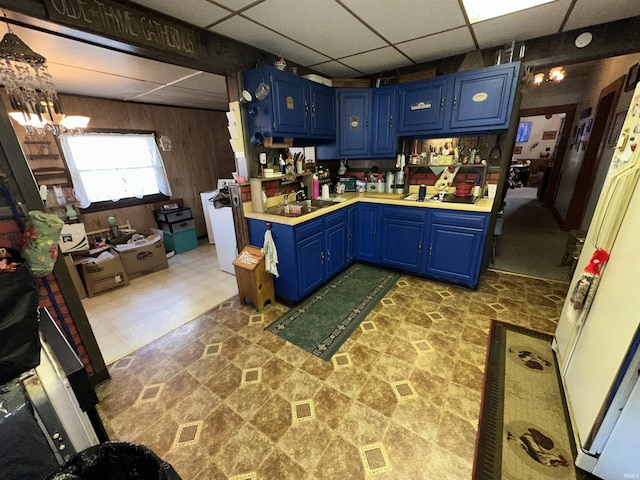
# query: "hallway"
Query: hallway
{"points": [[531, 243]]}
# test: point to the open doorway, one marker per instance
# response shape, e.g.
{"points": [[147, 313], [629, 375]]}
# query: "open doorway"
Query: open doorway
{"points": [[538, 221]]}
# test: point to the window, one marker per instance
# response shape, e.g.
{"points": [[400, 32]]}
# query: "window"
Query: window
{"points": [[114, 166], [524, 130]]}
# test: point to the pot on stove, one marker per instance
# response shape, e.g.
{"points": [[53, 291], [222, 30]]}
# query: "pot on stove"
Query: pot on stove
{"points": [[464, 189]]}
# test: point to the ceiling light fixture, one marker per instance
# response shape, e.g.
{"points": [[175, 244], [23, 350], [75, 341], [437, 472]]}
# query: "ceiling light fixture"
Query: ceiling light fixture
{"points": [[556, 74], [60, 124], [479, 10], [25, 76]]}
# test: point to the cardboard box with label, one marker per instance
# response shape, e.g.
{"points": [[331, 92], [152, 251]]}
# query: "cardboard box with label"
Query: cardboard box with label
{"points": [[102, 271], [144, 256]]}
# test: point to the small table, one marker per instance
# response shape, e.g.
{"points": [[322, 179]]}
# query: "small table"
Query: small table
{"points": [[254, 282]]}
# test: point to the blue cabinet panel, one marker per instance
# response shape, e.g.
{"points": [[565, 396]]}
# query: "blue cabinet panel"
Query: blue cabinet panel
{"points": [[336, 249], [354, 107], [402, 243], [422, 106], [483, 98], [323, 111], [311, 264], [383, 120], [368, 229], [352, 225]]}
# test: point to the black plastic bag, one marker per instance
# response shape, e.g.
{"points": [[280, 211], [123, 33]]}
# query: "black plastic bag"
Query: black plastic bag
{"points": [[115, 461], [19, 340]]}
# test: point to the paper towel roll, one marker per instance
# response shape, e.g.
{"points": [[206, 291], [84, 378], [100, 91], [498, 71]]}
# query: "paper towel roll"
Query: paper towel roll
{"points": [[325, 191]]}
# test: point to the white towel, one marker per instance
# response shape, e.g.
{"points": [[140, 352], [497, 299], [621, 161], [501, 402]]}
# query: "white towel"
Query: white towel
{"points": [[270, 254]]}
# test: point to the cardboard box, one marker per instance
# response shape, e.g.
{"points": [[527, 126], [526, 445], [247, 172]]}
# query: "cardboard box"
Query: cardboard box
{"points": [[144, 256], [101, 274], [73, 238], [351, 82]]}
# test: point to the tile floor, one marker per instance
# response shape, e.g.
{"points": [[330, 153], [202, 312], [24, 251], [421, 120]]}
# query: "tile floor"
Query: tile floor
{"points": [[151, 306], [220, 398]]}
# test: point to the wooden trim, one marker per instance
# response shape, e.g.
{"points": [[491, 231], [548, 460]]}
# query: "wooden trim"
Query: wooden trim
{"points": [[608, 99]]}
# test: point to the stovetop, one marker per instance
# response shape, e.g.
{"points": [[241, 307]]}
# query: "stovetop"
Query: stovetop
{"points": [[448, 198]]}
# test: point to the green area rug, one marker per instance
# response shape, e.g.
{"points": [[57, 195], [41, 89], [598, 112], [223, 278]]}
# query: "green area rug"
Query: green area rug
{"points": [[326, 319], [524, 429]]}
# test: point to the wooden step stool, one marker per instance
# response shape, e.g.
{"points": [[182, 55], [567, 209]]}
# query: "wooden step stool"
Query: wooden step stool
{"points": [[254, 282]]}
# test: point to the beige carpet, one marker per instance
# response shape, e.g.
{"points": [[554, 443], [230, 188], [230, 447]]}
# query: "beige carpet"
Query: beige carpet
{"points": [[531, 243]]}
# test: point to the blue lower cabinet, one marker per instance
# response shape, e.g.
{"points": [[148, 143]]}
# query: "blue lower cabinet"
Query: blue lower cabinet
{"points": [[456, 246], [352, 225], [368, 233], [311, 263], [403, 230]]}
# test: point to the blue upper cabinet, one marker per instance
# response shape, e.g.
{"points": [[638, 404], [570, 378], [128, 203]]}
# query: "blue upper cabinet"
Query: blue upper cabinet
{"points": [[323, 111], [293, 106], [482, 99], [423, 106], [384, 118], [354, 107]]}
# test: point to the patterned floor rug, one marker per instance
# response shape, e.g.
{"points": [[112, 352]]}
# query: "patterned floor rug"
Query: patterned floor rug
{"points": [[524, 430], [326, 319]]}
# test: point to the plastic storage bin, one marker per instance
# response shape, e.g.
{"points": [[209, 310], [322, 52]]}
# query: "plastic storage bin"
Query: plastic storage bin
{"points": [[180, 242]]}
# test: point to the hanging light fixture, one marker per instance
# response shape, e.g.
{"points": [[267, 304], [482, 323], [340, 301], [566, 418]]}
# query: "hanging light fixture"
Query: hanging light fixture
{"points": [[26, 78], [556, 74], [32, 94]]}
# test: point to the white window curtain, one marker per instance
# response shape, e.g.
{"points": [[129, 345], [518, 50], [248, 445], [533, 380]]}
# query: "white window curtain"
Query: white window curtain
{"points": [[113, 166]]}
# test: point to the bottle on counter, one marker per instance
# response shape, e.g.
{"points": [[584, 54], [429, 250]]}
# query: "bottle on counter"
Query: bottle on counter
{"points": [[316, 186]]}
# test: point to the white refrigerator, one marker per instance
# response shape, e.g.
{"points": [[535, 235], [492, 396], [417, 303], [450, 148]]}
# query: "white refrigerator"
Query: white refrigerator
{"points": [[597, 345]]}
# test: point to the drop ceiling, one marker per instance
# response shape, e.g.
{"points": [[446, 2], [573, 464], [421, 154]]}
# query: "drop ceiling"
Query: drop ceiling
{"points": [[337, 38]]}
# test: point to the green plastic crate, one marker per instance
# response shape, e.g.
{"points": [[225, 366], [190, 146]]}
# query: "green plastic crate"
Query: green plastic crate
{"points": [[180, 242]]}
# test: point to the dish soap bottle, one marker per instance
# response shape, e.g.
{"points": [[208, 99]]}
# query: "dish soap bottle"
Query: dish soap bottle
{"points": [[316, 186]]}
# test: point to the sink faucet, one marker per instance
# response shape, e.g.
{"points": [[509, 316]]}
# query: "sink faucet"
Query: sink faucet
{"points": [[286, 195]]}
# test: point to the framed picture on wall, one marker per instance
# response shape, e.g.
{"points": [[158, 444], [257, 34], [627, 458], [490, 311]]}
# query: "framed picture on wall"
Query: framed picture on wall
{"points": [[633, 75], [616, 128], [517, 150], [550, 135]]}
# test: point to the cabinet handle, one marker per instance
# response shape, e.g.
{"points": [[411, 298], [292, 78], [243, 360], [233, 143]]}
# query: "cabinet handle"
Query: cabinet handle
{"points": [[313, 110], [306, 108], [322, 257], [419, 248], [374, 233], [430, 248], [455, 102], [390, 122], [328, 255], [442, 103]]}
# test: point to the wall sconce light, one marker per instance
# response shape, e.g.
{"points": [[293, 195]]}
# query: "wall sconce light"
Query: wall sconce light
{"points": [[245, 96]]}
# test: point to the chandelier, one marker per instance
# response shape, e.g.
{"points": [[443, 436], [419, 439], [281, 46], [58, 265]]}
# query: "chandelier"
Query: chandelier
{"points": [[556, 74], [30, 89]]}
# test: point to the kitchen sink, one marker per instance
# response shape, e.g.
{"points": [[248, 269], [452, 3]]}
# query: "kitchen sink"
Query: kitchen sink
{"points": [[297, 209]]}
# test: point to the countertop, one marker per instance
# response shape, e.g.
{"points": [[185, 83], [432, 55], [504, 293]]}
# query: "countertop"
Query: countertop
{"points": [[482, 205]]}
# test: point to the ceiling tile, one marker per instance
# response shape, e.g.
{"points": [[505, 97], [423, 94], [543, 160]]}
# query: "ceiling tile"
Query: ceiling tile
{"points": [[369, 62], [196, 12], [323, 24], [248, 32], [204, 82], [235, 5], [183, 97], [533, 22], [441, 45], [592, 12], [336, 70], [78, 81], [402, 20]]}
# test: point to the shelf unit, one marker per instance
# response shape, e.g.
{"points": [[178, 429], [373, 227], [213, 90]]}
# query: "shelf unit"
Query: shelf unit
{"points": [[438, 169]]}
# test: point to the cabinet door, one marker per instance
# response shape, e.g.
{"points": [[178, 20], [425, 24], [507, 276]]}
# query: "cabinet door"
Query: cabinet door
{"points": [[383, 119], [336, 254], [454, 253], [402, 243], [367, 233], [422, 106], [311, 263], [484, 98], [290, 103], [285, 285], [323, 112], [354, 107]]}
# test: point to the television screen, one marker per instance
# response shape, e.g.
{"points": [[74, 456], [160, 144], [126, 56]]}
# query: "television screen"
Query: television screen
{"points": [[524, 130]]}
